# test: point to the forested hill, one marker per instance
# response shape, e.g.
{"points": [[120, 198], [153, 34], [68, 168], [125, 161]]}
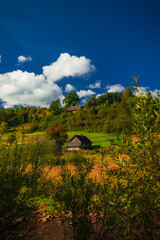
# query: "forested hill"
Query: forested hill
{"points": [[110, 112]]}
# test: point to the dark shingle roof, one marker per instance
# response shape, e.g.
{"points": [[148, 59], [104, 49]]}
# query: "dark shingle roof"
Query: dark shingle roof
{"points": [[83, 139], [74, 108], [77, 141]]}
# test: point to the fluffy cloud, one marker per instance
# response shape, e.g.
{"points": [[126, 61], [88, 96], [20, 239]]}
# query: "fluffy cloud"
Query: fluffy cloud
{"points": [[155, 93], [69, 88], [28, 89], [68, 66], [95, 85], [144, 90], [85, 100], [115, 88], [84, 93], [100, 94], [39, 90], [22, 59]]}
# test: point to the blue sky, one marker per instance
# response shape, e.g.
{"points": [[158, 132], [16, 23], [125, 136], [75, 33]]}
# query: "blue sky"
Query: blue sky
{"points": [[50, 47]]}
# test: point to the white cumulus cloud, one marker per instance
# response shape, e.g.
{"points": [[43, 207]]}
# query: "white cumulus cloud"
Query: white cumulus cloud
{"points": [[84, 100], [69, 88], [97, 84], [84, 93], [100, 94], [22, 87], [144, 90], [28, 89], [68, 66], [115, 88], [22, 59], [155, 93]]}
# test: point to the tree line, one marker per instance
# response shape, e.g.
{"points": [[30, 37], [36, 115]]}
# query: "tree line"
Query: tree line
{"points": [[107, 113]]}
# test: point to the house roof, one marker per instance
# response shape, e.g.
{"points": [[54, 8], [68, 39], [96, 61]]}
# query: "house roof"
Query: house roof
{"points": [[74, 108], [77, 141]]}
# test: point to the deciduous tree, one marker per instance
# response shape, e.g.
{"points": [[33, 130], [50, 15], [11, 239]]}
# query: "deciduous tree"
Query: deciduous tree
{"points": [[58, 133], [55, 107], [71, 99]]}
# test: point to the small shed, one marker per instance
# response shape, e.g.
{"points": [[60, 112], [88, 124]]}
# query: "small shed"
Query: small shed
{"points": [[78, 142], [74, 109]]}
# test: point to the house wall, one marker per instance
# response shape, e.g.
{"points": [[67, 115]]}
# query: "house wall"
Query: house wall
{"points": [[73, 148]]}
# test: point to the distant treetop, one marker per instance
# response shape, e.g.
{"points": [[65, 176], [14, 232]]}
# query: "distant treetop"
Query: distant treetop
{"points": [[71, 99]]}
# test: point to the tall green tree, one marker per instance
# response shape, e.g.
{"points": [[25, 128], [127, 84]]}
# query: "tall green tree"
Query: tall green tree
{"points": [[92, 102], [125, 111], [58, 133], [55, 107], [71, 99]]}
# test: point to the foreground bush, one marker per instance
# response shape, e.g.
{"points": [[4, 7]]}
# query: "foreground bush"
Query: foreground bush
{"points": [[135, 180], [22, 177], [74, 194]]}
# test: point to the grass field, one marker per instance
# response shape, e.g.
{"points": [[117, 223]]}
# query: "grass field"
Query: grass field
{"points": [[98, 139]]}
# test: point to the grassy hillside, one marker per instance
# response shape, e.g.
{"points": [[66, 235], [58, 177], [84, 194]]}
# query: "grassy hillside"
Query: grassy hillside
{"points": [[98, 139]]}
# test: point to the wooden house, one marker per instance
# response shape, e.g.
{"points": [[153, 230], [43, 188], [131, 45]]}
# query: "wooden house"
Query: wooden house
{"points": [[78, 142], [74, 109]]}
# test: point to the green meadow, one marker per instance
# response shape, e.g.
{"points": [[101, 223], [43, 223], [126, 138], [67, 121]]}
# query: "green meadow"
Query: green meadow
{"points": [[98, 139]]}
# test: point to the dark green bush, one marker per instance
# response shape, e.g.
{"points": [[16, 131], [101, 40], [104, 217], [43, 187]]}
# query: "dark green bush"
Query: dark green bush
{"points": [[74, 193], [22, 177]]}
